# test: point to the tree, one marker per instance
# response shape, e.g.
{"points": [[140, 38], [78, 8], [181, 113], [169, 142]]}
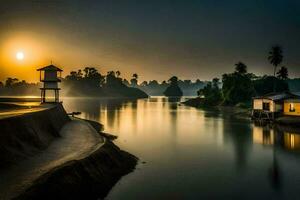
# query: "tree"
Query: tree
{"points": [[10, 82], [266, 85], [240, 68], [173, 90], [211, 93], [92, 77], [125, 82], [275, 56], [238, 86], [144, 84], [153, 83], [173, 80], [282, 73], [198, 82], [135, 76], [134, 80], [215, 82], [112, 80], [74, 76]]}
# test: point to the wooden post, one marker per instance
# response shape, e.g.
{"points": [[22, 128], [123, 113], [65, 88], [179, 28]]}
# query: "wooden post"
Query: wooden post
{"points": [[56, 96], [44, 96]]}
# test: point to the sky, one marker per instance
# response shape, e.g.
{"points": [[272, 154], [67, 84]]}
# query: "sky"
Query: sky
{"points": [[156, 39]]}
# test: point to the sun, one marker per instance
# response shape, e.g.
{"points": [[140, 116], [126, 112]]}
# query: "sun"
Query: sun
{"points": [[20, 55]]}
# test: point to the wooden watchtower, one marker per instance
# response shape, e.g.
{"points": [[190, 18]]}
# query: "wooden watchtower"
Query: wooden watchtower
{"points": [[50, 77]]}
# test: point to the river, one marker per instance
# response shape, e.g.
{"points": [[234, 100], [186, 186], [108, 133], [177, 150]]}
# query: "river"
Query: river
{"points": [[188, 153]]}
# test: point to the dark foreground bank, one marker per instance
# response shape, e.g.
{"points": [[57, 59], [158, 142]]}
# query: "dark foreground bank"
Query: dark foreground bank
{"points": [[25, 135], [87, 177]]}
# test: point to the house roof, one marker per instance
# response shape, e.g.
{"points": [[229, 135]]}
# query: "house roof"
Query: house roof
{"points": [[278, 96], [50, 68], [292, 100]]}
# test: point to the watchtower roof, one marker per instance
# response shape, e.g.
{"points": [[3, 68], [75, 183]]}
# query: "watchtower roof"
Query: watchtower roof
{"points": [[50, 68]]}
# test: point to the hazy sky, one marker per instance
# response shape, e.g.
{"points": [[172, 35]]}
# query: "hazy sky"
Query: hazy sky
{"points": [[156, 39]]}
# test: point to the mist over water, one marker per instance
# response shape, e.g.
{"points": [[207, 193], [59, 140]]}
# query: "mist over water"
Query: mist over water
{"points": [[188, 153]]}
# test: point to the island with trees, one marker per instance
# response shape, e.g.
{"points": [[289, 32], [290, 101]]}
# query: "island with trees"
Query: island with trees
{"points": [[173, 90]]}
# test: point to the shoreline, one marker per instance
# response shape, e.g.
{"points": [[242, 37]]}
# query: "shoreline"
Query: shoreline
{"points": [[20, 99], [234, 111], [89, 178], [92, 173], [244, 113]]}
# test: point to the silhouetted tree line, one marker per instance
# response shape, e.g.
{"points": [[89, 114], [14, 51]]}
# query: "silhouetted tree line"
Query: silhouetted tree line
{"points": [[13, 86], [240, 86], [90, 82], [236, 87], [84, 82], [188, 87]]}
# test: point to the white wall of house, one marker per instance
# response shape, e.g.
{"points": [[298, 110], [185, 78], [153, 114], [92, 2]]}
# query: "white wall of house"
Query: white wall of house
{"points": [[258, 105]]}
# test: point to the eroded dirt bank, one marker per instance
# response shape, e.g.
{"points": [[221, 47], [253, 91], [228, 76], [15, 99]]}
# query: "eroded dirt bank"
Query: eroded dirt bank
{"points": [[89, 178], [24, 135], [47, 155]]}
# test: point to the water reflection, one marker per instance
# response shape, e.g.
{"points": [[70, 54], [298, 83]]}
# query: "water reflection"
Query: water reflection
{"points": [[240, 137], [280, 136], [211, 152], [263, 135]]}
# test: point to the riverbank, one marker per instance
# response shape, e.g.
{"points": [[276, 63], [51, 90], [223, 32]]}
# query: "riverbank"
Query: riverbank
{"points": [[239, 112], [47, 155], [244, 113], [25, 132], [89, 178]]}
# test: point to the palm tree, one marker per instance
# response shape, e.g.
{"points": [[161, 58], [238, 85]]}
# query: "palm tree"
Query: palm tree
{"points": [[241, 68], [275, 56], [283, 73]]}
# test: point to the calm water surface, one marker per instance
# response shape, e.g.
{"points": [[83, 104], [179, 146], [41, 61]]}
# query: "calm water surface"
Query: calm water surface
{"points": [[192, 153]]}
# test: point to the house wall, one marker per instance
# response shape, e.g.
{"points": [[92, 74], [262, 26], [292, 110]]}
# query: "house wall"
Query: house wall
{"points": [[258, 105], [278, 107], [286, 110]]}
